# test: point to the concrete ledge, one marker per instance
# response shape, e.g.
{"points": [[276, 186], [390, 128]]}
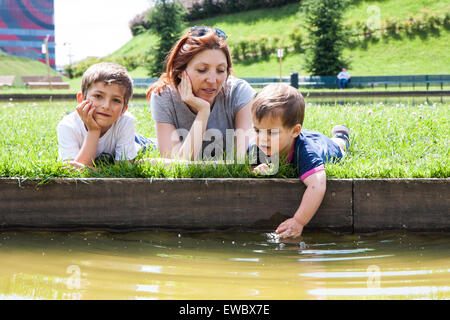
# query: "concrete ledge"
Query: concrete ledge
{"points": [[401, 204], [259, 204]]}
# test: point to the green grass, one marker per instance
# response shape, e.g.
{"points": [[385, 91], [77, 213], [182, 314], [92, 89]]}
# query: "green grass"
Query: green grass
{"points": [[18, 66], [393, 9], [389, 140], [280, 21], [428, 54], [139, 44], [403, 56]]}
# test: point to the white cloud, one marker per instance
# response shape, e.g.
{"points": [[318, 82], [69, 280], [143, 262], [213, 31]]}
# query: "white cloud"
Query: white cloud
{"points": [[86, 28]]}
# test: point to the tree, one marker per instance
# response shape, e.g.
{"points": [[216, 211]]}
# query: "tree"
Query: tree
{"points": [[166, 20], [327, 36], [69, 71]]}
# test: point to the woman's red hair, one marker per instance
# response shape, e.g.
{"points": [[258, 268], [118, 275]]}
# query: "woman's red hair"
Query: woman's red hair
{"points": [[183, 52]]}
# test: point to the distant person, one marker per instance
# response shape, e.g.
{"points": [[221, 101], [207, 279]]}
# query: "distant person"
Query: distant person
{"points": [[343, 77], [278, 111], [101, 129], [196, 101]]}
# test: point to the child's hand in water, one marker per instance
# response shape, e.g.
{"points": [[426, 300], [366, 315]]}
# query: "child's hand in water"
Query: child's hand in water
{"points": [[290, 228]]}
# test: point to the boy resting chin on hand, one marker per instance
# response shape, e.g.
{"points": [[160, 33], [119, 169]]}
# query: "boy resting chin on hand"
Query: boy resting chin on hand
{"points": [[100, 129]]}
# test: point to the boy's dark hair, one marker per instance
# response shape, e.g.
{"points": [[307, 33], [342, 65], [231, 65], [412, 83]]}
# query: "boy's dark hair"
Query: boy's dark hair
{"points": [[280, 100], [108, 73]]}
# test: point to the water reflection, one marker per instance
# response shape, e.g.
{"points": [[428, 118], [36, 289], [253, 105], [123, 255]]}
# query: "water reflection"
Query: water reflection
{"points": [[335, 251], [432, 292], [356, 274], [226, 265], [344, 258], [151, 269]]}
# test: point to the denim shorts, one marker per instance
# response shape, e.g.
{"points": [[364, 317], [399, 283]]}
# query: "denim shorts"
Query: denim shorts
{"points": [[146, 143]]}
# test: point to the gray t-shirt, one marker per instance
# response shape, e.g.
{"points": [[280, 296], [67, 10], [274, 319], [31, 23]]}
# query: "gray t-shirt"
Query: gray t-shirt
{"points": [[169, 108]]}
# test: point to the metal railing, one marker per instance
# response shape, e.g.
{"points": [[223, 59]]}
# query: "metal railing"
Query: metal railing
{"points": [[330, 81]]}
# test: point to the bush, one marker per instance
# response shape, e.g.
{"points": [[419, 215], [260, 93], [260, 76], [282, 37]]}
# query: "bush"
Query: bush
{"points": [[424, 22], [447, 19], [296, 39], [131, 61], [391, 27], [243, 45], [407, 25], [434, 22], [196, 12], [80, 67], [69, 71], [235, 53], [211, 8], [274, 43], [232, 5], [264, 46], [253, 47], [419, 24], [139, 23]]}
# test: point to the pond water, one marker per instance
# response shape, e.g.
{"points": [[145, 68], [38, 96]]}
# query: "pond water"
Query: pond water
{"points": [[222, 265]]}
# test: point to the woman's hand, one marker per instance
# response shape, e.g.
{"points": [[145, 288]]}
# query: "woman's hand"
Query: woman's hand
{"points": [[86, 111], [187, 95]]}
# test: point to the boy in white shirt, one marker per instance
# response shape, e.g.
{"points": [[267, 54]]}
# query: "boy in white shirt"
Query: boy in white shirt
{"points": [[100, 127]]}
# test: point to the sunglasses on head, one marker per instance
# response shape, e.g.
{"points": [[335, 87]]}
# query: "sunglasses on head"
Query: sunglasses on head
{"points": [[199, 31]]}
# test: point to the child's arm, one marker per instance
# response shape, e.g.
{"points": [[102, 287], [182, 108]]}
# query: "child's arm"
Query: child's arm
{"points": [[88, 150], [312, 198]]}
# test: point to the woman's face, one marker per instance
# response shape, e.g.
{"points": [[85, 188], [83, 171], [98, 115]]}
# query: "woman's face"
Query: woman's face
{"points": [[208, 71]]}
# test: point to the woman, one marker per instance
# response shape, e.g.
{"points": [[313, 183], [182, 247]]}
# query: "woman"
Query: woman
{"points": [[196, 102]]}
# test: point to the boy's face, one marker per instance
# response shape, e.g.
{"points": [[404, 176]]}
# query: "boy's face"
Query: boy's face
{"points": [[108, 100], [272, 137]]}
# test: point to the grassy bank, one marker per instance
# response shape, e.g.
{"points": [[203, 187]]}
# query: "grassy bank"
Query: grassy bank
{"points": [[398, 140], [422, 53], [280, 21], [17, 66], [400, 56]]}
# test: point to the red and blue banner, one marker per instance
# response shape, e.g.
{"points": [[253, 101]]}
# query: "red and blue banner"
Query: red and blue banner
{"points": [[24, 24]]}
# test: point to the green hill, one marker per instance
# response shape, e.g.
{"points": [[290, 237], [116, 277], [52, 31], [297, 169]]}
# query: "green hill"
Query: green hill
{"points": [[420, 53], [14, 66]]}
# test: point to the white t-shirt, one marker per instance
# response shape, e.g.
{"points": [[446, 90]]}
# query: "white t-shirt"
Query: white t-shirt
{"points": [[343, 75], [118, 141]]}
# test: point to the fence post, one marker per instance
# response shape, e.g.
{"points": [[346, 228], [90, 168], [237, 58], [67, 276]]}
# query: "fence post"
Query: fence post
{"points": [[294, 79]]}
